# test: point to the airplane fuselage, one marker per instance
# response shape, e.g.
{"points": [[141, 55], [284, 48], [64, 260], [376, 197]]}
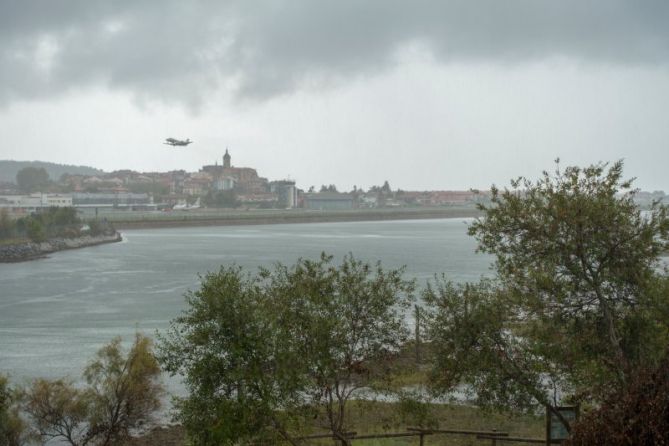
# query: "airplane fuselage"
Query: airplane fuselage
{"points": [[177, 142]]}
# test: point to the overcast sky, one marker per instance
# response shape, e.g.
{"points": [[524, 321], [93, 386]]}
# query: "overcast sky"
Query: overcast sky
{"points": [[425, 94]]}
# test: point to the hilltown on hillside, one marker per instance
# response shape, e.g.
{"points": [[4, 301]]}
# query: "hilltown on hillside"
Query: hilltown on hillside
{"points": [[216, 186], [213, 186]]}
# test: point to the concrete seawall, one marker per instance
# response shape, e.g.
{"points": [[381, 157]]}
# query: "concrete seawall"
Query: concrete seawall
{"points": [[30, 250], [238, 218]]}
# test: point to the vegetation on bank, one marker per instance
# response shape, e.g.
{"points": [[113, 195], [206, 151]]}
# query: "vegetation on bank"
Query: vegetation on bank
{"points": [[221, 199], [288, 345], [12, 426], [634, 415], [579, 304], [122, 392], [577, 312], [49, 223]]}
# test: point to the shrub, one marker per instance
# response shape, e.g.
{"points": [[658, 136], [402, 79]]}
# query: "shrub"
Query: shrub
{"points": [[261, 354], [12, 428], [122, 392], [35, 230], [638, 416]]}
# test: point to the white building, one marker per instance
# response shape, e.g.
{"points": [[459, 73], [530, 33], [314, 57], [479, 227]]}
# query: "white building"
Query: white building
{"points": [[58, 200], [224, 183], [286, 192], [34, 202]]}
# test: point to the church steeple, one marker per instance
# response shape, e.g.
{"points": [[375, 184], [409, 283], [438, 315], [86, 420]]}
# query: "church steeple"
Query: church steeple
{"points": [[226, 159]]}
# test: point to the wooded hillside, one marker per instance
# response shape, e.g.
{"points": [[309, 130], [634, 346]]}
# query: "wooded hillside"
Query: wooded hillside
{"points": [[9, 168]]}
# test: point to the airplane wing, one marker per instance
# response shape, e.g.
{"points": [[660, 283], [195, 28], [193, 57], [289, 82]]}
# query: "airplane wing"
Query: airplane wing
{"points": [[177, 142]]}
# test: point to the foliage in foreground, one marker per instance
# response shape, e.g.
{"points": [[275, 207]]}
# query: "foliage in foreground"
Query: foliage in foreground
{"points": [[265, 355], [12, 427], [122, 392], [635, 416], [578, 305]]}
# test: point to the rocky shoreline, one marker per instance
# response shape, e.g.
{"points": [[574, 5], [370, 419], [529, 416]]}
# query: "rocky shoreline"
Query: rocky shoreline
{"points": [[21, 252]]}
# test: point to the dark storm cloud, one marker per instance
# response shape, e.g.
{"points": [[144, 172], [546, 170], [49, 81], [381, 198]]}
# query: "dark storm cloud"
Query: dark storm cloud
{"points": [[177, 50]]}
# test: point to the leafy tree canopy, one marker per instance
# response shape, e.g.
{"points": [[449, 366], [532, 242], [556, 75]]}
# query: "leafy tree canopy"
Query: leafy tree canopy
{"points": [[12, 427], [579, 301], [262, 353], [222, 199], [48, 223], [122, 392], [633, 416], [32, 179], [329, 188]]}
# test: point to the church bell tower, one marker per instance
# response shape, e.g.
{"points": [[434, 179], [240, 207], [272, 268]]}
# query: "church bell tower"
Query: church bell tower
{"points": [[226, 159]]}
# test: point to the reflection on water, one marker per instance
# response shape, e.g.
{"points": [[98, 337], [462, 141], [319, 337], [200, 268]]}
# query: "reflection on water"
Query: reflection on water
{"points": [[56, 312]]}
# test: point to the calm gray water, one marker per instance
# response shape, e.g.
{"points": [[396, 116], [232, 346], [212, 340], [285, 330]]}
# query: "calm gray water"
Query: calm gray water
{"points": [[55, 313]]}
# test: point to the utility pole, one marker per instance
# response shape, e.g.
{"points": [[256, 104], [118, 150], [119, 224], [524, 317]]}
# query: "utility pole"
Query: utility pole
{"points": [[417, 340]]}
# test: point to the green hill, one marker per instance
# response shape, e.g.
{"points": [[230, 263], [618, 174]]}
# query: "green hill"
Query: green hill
{"points": [[9, 168]]}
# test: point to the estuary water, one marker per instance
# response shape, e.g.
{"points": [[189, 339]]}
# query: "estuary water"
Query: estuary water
{"points": [[55, 313]]}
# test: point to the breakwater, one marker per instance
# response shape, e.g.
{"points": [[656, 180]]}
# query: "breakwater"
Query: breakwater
{"points": [[32, 250]]}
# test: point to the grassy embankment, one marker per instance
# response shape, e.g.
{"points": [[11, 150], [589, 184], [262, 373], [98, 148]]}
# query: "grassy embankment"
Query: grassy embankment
{"points": [[367, 417], [378, 417]]}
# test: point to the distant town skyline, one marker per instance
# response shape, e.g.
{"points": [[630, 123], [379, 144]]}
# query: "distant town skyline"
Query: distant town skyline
{"points": [[427, 95]]}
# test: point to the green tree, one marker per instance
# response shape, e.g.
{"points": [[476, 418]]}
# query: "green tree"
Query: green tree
{"points": [[123, 390], [476, 341], [95, 227], [63, 216], [222, 199], [32, 179], [386, 188], [59, 410], [224, 346], [7, 225], [51, 222], [153, 188], [262, 353], [12, 427], [35, 230], [348, 322], [634, 416], [579, 302]]}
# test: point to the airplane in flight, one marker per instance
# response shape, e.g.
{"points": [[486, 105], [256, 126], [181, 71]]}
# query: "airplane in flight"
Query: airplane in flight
{"points": [[177, 142]]}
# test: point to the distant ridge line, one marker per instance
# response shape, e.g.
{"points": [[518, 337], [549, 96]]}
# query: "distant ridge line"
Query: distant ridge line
{"points": [[9, 168]]}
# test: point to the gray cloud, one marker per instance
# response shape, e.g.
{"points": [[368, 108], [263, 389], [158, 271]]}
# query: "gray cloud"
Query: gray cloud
{"points": [[181, 51]]}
